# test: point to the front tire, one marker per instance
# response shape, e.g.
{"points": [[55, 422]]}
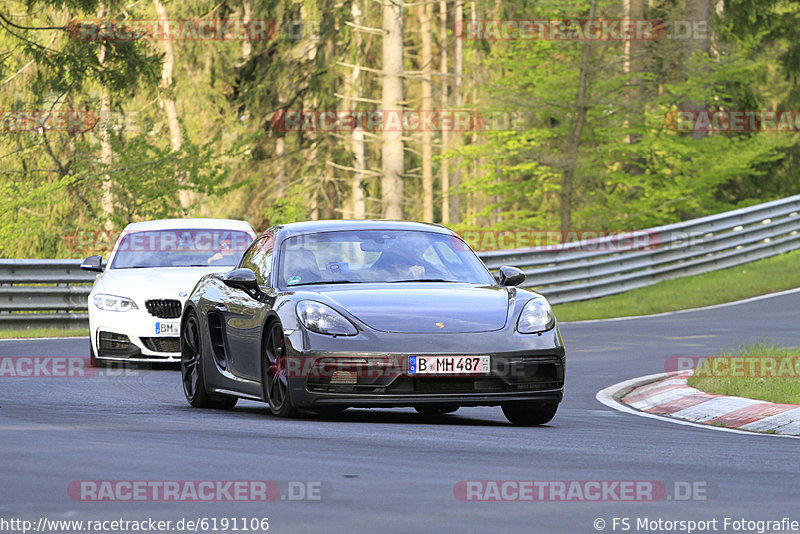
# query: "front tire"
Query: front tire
{"points": [[273, 372], [194, 384], [530, 413]]}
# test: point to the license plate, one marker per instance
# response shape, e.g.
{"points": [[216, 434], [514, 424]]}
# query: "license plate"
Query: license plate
{"points": [[449, 365], [166, 328]]}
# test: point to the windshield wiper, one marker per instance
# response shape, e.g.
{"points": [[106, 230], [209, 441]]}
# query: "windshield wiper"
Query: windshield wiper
{"points": [[421, 280], [321, 282]]}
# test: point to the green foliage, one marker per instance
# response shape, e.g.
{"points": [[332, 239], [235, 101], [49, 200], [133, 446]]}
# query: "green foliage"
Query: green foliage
{"points": [[288, 209], [632, 170], [628, 168], [783, 389]]}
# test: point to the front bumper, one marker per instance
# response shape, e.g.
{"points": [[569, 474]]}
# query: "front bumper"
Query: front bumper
{"points": [[369, 380], [134, 336], [523, 368]]}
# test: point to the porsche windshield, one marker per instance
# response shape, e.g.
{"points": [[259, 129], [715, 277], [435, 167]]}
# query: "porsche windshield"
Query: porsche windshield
{"points": [[180, 248], [378, 256]]}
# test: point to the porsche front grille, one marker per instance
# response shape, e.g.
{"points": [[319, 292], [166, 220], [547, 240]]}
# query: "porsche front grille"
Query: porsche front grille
{"points": [[164, 308]]}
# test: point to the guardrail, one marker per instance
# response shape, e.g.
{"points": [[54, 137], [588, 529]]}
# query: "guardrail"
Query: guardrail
{"points": [[595, 268], [53, 293], [44, 294]]}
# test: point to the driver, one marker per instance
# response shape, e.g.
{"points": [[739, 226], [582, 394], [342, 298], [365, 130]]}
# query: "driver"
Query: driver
{"points": [[396, 264], [225, 250]]}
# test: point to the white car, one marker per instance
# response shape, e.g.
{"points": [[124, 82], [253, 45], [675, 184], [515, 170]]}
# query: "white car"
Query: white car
{"points": [[136, 303]]}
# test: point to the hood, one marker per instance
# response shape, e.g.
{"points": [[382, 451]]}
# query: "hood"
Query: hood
{"points": [[157, 282], [417, 308]]}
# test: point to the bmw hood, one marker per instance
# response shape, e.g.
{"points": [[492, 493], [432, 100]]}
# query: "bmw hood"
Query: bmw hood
{"points": [[418, 308], [160, 282]]}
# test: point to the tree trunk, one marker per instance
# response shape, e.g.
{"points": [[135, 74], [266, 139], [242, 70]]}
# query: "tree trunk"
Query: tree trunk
{"points": [[357, 188], [425, 13], [391, 102], [634, 52], [457, 99], [106, 152], [576, 131], [168, 101], [357, 197], [698, 11], [331, 196], [444, 168], [280, 150], [247, 13]]}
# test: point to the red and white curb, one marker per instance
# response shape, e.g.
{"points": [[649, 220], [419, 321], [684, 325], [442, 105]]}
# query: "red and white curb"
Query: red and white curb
{"points": [[668, 397]]}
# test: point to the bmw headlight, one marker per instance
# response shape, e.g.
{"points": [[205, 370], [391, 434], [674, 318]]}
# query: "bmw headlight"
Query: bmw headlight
{"points": [[537, 316], [323, 319], [114, 303]]}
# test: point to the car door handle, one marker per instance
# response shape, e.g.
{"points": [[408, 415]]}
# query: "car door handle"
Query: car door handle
{"points": [[221, 308]]}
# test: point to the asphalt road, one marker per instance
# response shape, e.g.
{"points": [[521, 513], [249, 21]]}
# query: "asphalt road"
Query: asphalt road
{"points": [[393, 470]]}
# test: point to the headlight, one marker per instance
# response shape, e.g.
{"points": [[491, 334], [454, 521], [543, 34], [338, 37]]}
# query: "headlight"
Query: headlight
{"points": [[537, 316], [114, 303], [323, 319]]}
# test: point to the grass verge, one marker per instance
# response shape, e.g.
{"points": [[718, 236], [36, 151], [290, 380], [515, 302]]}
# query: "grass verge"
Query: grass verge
{"points": [[758, 278], [766, 372], [43, 332]]}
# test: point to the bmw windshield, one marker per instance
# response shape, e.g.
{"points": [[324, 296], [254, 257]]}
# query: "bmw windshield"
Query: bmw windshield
{"points": [[180, 248], [378, 256]]}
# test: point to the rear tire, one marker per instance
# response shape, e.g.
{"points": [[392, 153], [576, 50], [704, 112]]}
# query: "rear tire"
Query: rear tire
{"points": [[192, 376], [273, 372], [435, 409], [532, 413]]}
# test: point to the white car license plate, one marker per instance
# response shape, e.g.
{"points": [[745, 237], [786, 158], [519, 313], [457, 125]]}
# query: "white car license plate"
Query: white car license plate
{"points": [[449, 365], [166, 328]]}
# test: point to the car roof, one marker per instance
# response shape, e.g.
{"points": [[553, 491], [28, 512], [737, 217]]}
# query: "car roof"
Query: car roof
{"points": [[188, 224], [297, 228]]}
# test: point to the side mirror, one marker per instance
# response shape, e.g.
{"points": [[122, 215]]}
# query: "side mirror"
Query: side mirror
{"points": [[93, 263], [511, 276], [243, 279]]}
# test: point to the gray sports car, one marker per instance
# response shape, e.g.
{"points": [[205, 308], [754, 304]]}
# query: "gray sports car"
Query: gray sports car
{"points": [[325, 315]]}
